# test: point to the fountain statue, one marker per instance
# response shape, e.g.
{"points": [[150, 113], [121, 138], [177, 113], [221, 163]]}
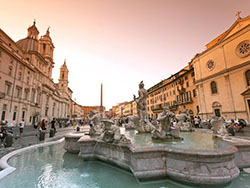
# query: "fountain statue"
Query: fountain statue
{"points": [[166, 131], [184, 121], [218, 126], [133, 121], [96, 126], [111, 133], [144, 126]]}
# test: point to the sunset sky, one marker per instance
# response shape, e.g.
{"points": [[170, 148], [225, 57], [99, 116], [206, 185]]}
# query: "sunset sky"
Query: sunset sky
{"points": [[121, 42]]}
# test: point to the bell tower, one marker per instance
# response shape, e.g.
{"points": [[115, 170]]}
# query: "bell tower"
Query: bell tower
{"points": [[46, 46], [33, 31], [63, 78], [46, 49]]}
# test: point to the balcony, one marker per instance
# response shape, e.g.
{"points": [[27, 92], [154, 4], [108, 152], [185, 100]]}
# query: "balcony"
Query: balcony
{"points": [[157, 108], [173, 107]]}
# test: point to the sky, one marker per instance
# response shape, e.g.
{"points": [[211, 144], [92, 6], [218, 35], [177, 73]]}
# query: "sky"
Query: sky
{"points": [[121, 42]]}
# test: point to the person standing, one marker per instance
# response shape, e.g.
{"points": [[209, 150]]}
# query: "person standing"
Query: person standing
{"points": [[196, 122], [53, 124], [21, 127]]}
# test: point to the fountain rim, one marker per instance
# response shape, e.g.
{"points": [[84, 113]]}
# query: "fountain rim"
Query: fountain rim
{"points": [[7, 169], [229, 149]]}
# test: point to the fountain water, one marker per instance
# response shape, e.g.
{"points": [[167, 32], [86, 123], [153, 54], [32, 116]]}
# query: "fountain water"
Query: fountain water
{"points": [[200, 159]]}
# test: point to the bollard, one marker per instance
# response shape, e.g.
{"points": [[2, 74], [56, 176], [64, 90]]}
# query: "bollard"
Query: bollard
{"points": [[8, 140], [51, 133], [42, 136]]}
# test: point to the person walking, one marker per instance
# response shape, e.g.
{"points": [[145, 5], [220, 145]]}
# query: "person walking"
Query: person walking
{"points": [[21, 127]]}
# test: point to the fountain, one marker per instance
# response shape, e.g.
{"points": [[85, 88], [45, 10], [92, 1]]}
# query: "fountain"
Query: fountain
{"points": [[144, 126], [184, 121], [165, 130], [96, 127], [132, 122], [218, 126], [200, 158], [111, 133]]}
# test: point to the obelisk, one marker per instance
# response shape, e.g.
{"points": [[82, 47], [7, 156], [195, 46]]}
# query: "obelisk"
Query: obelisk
{"points": [[101, 107]]}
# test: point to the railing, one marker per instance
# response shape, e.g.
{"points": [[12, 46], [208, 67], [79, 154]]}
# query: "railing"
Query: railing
{"points": [[157, 107]]}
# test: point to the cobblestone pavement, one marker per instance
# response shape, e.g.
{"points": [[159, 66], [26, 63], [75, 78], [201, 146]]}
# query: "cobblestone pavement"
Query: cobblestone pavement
{"points": [[31, 136]]}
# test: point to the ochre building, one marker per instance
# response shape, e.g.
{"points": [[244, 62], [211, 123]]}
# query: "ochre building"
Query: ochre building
{"points": [[177, 92]]}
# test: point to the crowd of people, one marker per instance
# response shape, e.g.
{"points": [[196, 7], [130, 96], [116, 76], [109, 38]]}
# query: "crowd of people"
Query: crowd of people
{"points": [[6, 129]]}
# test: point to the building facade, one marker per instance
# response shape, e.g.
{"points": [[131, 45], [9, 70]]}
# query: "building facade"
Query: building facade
{"points": [[178, 92], [222, 73], [88, 109], [77, 111], [27, 90]]}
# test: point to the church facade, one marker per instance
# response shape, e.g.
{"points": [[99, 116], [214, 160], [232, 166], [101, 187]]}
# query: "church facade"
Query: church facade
{"points": [[222, 73], [27, 90]]}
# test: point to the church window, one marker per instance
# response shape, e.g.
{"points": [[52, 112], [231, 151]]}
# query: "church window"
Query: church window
{"points": [[213, 87], [243, 49], [248, 77], [210, 65]]}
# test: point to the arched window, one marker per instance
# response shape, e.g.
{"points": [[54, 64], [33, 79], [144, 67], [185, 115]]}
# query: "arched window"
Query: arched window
{"points": [[213, 87], [248, 77]]}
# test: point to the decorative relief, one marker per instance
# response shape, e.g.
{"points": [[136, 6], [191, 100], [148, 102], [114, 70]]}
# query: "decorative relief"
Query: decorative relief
{"points": [[243, 49], [210, 65]]}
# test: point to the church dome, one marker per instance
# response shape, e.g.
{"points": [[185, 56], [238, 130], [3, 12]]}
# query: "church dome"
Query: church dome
{"points": [[30, 43]]}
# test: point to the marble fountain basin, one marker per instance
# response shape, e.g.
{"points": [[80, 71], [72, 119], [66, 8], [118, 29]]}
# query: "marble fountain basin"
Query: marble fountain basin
{"points": [[215, 162]]}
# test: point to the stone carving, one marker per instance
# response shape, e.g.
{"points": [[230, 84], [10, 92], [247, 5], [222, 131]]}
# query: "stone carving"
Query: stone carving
{"points": [[184, 121], [144, 126], [133, 121], [111, 133], [218, 126], [96, 126], [165, 130]]}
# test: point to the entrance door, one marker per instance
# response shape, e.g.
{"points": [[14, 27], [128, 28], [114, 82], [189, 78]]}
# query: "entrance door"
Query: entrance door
{"points": [[217, 112], [33, 120], [3, 116]]}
